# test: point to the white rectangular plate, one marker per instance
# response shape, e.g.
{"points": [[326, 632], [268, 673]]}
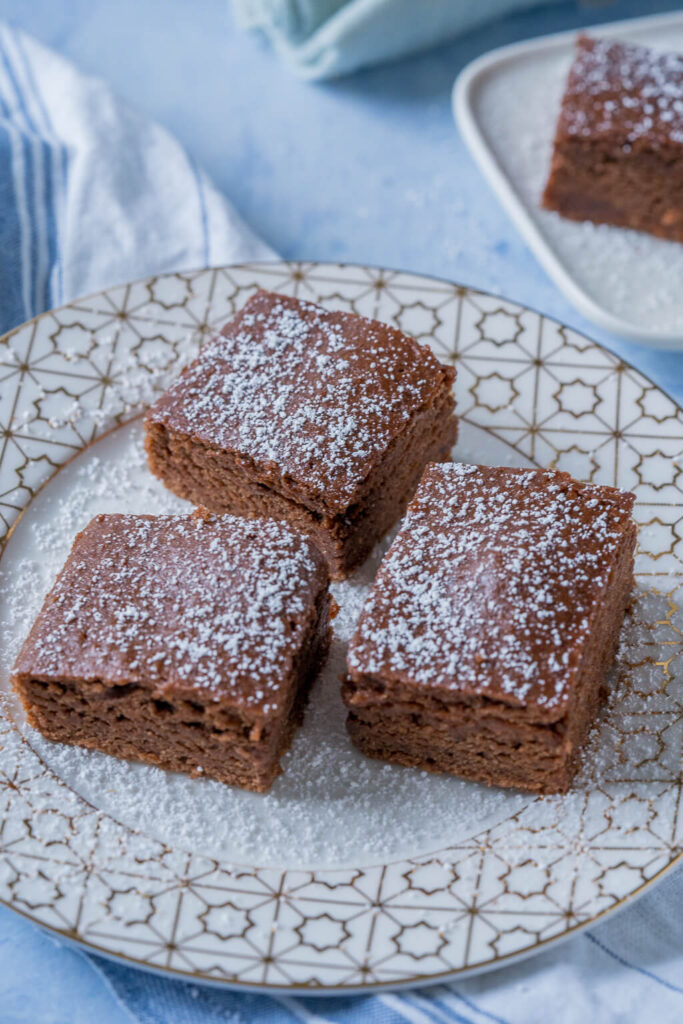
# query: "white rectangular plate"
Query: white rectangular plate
{"points": [[506, 105]]}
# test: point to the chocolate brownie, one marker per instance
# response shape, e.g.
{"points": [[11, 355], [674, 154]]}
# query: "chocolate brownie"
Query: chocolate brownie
{"points": [[188, 642], [483, 647], [618, 155], [323, 419]]}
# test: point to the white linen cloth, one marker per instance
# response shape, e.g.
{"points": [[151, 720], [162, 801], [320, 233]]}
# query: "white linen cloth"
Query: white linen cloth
{"points": [[91, 193]]}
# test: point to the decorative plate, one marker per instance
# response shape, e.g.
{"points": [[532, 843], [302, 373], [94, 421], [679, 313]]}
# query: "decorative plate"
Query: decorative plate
{"points": [[350, 874]]}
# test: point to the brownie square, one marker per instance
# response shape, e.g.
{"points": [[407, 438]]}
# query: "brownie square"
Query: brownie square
{"points": [[483, 647], [325, 420], [618, 155], [188, 642]]}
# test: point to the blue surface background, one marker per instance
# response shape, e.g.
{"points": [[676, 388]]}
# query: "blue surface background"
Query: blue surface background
{"points": [[367, 169]]}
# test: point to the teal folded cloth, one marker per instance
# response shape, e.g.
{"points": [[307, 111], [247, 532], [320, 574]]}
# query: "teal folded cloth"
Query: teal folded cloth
{"points": [[326, 38]]}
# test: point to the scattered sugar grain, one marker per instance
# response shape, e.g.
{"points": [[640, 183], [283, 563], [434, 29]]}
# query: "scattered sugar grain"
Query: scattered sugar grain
{"points": [[331, 807]]}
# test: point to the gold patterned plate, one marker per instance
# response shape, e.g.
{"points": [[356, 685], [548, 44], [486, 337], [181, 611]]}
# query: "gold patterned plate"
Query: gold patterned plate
{"points": [[350, 874]]}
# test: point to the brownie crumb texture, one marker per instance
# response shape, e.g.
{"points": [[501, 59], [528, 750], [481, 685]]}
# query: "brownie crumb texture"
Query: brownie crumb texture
{"points": [[618, 152], [491, 624], [324, 419], [186, 641]]}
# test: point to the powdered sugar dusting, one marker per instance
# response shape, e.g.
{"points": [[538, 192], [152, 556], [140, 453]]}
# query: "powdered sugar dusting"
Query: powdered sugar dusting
{"points": [[330, 806], [215, 604], [491, 586], [318, 395], [628, 93], [628, 274]]}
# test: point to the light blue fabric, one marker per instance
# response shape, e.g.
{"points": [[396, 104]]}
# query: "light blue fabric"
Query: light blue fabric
{"points": [[65, 233], [326, 38], [91, 194]]}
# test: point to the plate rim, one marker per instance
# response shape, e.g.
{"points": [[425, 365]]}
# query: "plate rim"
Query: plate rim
{"points": [[194, 271], [305, 989], [462, 103]]}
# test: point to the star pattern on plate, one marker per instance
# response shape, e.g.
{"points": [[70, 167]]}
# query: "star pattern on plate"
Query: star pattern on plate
{"points": [[550, 397]]}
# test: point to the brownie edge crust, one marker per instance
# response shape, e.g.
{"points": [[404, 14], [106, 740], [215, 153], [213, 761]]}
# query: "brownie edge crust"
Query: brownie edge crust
{"points": [[187, 642], [322, 419], [494, 618], [618, 148]]}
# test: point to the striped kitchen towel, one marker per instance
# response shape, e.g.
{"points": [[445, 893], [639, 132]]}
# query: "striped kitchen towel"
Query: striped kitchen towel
{"points": [[91, 193]]}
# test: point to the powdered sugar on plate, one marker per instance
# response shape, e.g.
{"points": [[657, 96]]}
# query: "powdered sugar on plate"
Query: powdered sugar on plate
{"points": [[331, 806]]}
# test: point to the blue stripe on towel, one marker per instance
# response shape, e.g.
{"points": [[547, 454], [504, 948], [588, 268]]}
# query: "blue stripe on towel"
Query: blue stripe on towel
{"points": [[16, 228], [11, 285], [58, 173], [634, 967], [39, 160], [25, 185]]}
